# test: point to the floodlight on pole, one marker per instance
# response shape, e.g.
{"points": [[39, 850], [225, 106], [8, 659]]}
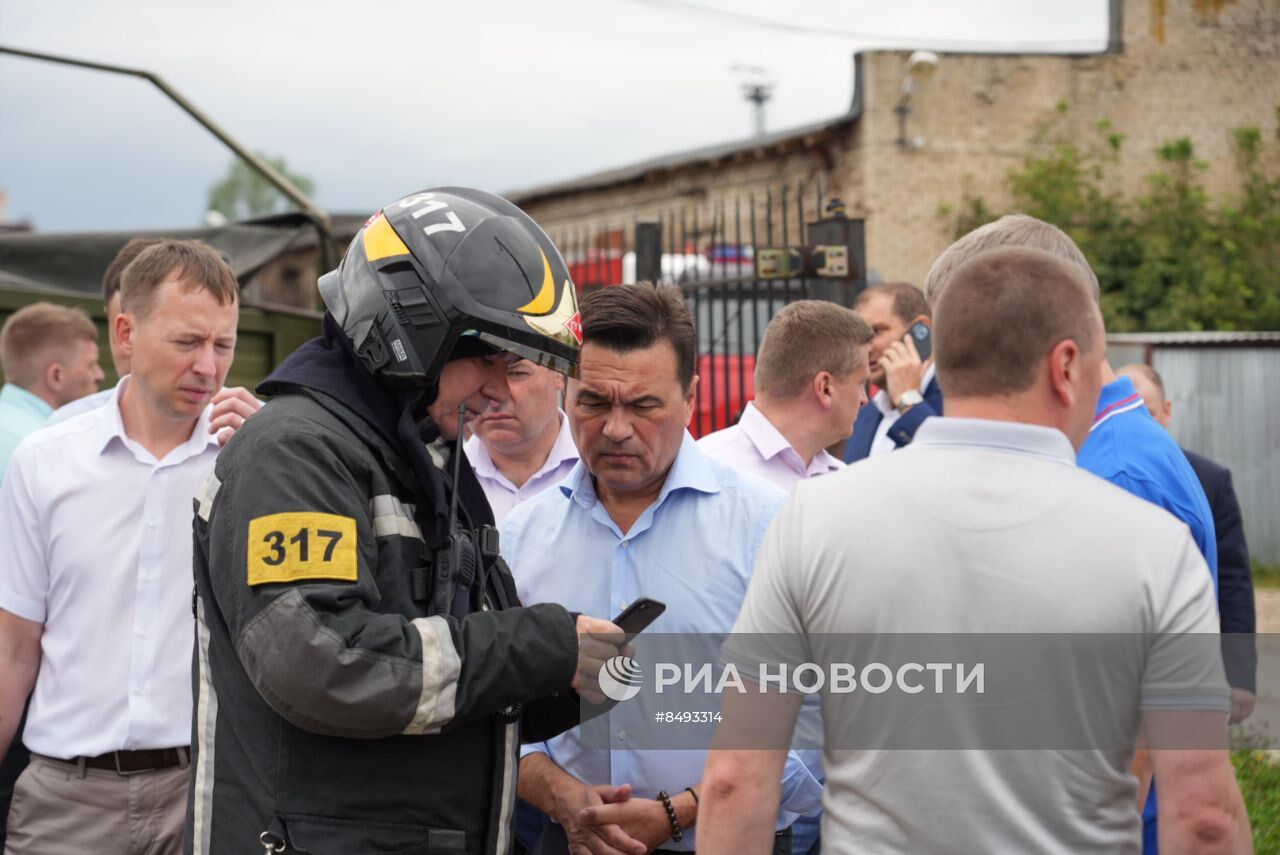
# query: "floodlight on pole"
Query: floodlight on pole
{"points": [[920, 67]]}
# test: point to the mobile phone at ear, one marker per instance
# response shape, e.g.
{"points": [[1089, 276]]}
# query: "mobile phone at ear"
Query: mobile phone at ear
{"points": [[636, 617], [923, 337]]}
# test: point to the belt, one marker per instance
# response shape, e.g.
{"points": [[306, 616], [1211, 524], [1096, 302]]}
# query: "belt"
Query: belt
{"points": [[133, 762]]}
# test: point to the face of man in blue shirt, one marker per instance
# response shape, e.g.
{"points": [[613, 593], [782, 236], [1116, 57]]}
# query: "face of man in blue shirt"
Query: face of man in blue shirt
{"points": [[628, 413]]}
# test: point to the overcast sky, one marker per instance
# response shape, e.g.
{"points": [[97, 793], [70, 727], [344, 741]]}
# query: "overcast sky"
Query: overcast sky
{"points": [[377, 98]]}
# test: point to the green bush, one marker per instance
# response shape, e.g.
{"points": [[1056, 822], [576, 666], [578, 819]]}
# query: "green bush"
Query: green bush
{"points": [[1172, 259], [1265, 575], [1259, 778]]}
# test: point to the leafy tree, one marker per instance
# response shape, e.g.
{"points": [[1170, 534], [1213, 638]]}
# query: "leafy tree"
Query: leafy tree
{"points": [[1171, 259], [243, 193]]}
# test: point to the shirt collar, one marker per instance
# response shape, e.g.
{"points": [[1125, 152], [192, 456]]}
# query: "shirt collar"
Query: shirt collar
{"points": [[881, 399], [990, 435], [15, 396], [478, 453], [561, 450], [770, 442], [1118, 396], [757, 428], [564, 449], [111, 426], [690, 471]]}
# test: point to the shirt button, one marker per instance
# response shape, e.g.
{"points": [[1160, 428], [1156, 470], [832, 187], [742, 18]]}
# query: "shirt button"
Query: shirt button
{"points": [[137, 690], [153, 523], [622, 734], [625, 544], [622, 604]]}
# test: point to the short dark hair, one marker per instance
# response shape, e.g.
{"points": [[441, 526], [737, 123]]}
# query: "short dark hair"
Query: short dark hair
{"points": [[193, 263], [1001, 314], [634, 317], [806, 337], [125, 257], [908, 300]]}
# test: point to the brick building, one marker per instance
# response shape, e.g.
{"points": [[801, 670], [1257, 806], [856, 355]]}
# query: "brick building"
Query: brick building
{"points": [[1172, 68]]}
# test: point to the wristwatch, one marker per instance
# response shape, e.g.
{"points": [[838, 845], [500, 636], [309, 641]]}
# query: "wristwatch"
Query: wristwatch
{"points": [[909, 399]]}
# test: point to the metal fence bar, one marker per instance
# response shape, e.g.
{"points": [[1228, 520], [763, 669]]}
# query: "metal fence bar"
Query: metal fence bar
{"points": [[738, 254]]}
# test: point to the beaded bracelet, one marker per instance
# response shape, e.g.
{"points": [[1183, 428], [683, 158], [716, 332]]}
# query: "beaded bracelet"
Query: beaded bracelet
{"points": [[677, 833]]}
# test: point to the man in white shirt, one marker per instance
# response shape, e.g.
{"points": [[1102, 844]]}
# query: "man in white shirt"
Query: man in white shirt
{"points": [[811, 374], [907, 392], [230, 406], [1011, 535], [95, 597], [521, 446]]}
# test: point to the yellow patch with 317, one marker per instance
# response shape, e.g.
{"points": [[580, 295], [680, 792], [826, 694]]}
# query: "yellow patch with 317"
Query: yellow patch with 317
{"points": [[297, 546]]}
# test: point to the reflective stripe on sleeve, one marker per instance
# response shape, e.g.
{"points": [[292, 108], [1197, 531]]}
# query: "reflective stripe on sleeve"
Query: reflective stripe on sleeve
{"points": [[208, 491], [441, 668], [393, 517]]}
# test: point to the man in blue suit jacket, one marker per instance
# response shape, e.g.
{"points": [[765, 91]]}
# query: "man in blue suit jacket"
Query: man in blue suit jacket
{"points": [[1235, 579], [909, 393]]}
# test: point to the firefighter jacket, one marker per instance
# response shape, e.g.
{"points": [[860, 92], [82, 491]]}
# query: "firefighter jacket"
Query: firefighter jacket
{"points": [[334, 712]]}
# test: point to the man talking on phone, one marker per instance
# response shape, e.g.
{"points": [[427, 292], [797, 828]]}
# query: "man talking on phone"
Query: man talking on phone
{"points": [[901, 366]]}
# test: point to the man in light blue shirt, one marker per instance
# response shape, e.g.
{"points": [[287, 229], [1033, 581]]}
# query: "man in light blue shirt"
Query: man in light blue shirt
{"points": [[643, 514], [49, 355]]}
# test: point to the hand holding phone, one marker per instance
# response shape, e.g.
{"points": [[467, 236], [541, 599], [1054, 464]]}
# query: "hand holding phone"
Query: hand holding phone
{"points": [[636, 617], [922, 336]]}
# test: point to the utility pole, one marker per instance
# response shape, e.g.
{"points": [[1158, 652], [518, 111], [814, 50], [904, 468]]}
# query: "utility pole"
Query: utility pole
{"points": [[757, 90]]}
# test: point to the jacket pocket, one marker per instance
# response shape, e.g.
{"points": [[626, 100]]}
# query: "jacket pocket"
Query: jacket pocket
{"points": [[321, 835]]}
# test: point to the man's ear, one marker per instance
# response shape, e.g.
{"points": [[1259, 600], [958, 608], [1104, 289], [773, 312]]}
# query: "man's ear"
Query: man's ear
{"points": [[1064, 367], [124, 329], [690, 398], [822, 382], [54, 376]]}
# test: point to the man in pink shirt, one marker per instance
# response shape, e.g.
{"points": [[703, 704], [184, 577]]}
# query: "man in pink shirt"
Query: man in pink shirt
{"points": [[521, 446], [811, 375]]}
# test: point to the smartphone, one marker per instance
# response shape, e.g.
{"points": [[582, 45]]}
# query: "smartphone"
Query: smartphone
{"points": [[923, 337], [637, 616]]}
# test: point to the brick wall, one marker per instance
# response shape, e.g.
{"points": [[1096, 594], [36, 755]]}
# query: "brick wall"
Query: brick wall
{"points": [[1180, 72], [696, 190]]}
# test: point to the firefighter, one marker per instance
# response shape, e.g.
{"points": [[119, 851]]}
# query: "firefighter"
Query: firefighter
{"points": [[363, 672]]}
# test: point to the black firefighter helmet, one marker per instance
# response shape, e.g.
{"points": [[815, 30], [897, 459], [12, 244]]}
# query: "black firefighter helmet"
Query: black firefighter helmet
{"points": [[450, 272]]}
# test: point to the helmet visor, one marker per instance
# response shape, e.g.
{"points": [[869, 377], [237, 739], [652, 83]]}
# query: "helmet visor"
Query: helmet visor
{"points": [[564, 366]]}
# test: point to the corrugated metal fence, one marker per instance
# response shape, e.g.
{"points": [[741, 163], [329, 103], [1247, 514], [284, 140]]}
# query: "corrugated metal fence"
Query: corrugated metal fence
{"points": [[1226, 406]]}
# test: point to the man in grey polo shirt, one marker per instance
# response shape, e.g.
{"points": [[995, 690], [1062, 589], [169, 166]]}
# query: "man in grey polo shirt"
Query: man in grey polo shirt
{"points": [[1005, 535]]}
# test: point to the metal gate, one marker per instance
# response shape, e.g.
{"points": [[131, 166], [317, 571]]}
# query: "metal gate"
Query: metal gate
{"points": [[717, 252]]}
